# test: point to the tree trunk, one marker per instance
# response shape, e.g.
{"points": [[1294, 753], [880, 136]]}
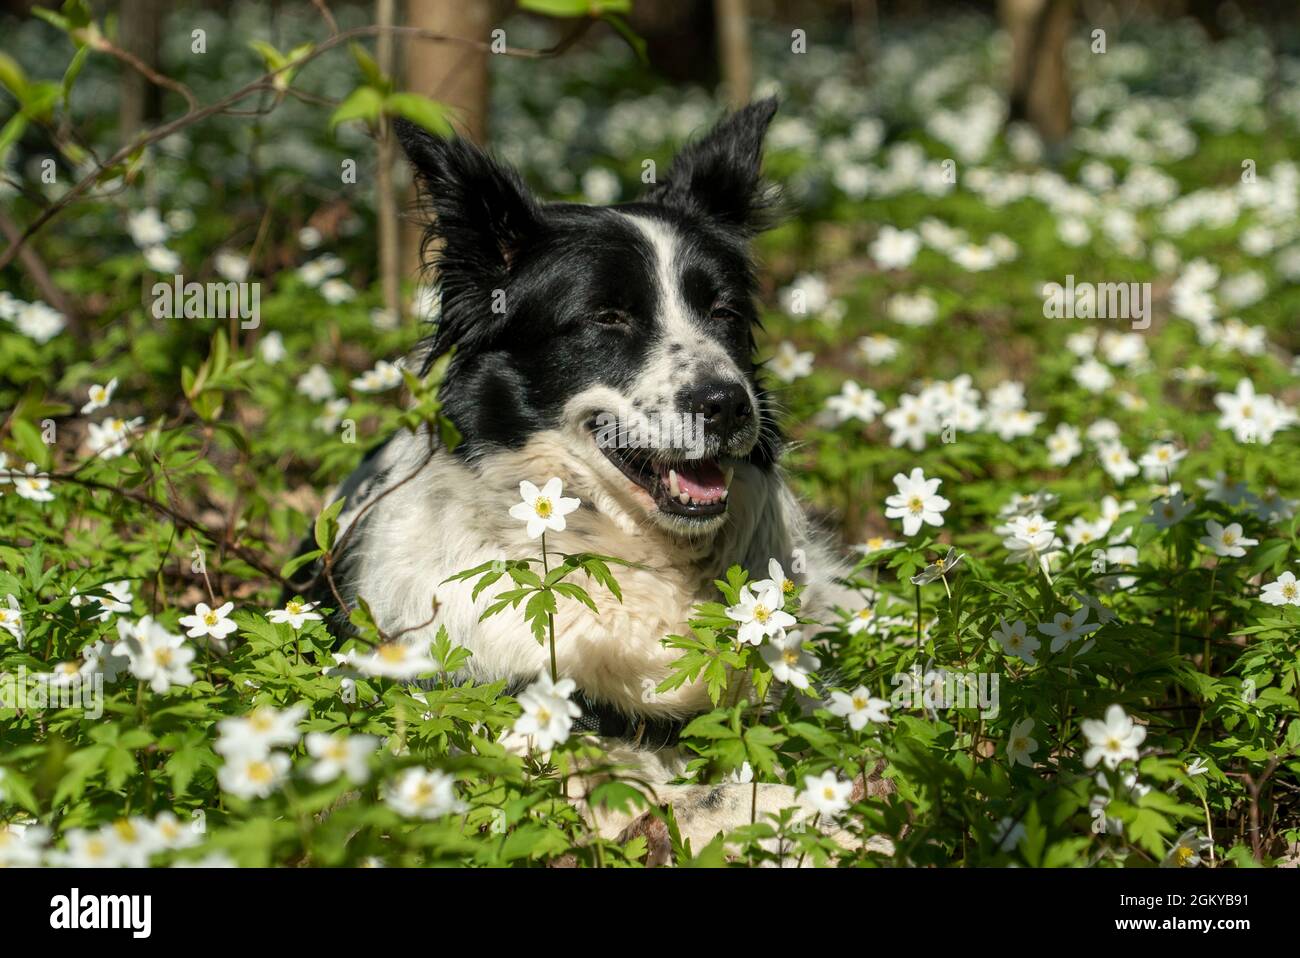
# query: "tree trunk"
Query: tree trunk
{"points": [[139, 31], [866, 33], [734, 50], [449, 73], [390, 261], [1040, 86]]}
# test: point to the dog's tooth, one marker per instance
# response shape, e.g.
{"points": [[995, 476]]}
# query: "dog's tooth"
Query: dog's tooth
{"points": [[724, 494], [672, 483], [684, 499], [726, 476]]}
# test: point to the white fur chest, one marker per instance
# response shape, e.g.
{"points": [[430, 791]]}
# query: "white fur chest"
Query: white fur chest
{"points": [[449, 518]]}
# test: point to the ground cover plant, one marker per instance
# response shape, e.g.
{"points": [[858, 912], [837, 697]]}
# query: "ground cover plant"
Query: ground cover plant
{"points": [[1076, 532]]}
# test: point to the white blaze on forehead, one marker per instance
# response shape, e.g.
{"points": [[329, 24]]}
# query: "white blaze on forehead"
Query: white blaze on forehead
{"points": [[674, 315]]}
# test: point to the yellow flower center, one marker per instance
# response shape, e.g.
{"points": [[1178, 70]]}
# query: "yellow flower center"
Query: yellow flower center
{"points": [[163, 656], [1289, 590], [125, 830], [1020, 745], [791, 656], [1183, 855], [293, 607], [259, 772], [1229, 538], [761, 614], [210, 618], [915, 504], [392, 652], [542, 507]]}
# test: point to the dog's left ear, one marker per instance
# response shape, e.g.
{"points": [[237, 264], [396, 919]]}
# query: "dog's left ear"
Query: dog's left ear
{"points": [[482, 220], [719, 176]]}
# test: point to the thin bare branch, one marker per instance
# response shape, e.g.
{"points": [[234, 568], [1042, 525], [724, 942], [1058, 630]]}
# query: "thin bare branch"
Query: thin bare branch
{"points": [[266, 81]]}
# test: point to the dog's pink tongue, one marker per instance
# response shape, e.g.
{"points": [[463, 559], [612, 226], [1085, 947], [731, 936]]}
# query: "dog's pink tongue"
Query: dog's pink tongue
{"points": [[701, 479]]}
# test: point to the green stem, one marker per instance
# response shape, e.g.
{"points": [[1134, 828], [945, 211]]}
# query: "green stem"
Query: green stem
{"points": [[816, 818], [1209, 619], [550, 616], [753, 793], [918, 618]]}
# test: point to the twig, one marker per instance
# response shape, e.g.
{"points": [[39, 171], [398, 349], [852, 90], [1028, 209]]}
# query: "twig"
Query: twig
{"points": [[243, 552], [266, 81], [36, 269], [104, 45], [327, 16]]}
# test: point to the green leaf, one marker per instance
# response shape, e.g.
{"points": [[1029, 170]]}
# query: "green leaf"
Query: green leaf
{"points": [[29, 441], [11, 133], [327, 526], [419, 109], [80, 766], [73, 71], [297, 562], [12, 77], [369, 68], [52, 18], [630, 36], [617, 797], [576, 8], [1035, 840], [363, 103]]}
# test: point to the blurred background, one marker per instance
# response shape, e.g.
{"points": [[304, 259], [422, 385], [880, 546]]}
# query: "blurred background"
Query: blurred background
{"points": [[1013, 142], [855, 75]]}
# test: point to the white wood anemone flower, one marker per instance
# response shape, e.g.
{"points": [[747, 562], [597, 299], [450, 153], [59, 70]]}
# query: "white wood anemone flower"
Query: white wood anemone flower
{"points": [[543, 508]]}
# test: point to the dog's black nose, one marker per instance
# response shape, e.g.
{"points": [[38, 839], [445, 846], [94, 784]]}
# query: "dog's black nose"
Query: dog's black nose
{"points": [[724, 405]]}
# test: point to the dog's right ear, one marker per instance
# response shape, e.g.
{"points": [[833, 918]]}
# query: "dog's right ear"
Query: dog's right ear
{"points": [[481, 217]]}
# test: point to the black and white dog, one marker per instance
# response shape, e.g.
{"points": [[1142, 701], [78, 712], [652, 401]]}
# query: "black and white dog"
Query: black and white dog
{"points": [[563, 319]]}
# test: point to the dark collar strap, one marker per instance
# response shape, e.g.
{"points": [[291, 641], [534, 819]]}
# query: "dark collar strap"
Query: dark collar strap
{"points": [[642, 731]]}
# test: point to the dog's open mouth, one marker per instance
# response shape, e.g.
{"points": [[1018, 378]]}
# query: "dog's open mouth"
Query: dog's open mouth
{"points": [[689, 488]]}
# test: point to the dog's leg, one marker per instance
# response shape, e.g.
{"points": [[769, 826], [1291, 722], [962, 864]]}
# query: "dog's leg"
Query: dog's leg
{"points": [[703, 811]]}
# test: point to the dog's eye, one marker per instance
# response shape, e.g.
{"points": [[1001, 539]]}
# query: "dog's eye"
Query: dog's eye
{"points": [[723, 314], [613, 317]]}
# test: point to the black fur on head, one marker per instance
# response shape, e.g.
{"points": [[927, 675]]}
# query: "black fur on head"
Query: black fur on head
{"points": [[546, 304], [719, 177], [481, 215]]}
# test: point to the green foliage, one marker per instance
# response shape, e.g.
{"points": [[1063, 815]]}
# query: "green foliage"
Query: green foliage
{"points": [[214, 490]]}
